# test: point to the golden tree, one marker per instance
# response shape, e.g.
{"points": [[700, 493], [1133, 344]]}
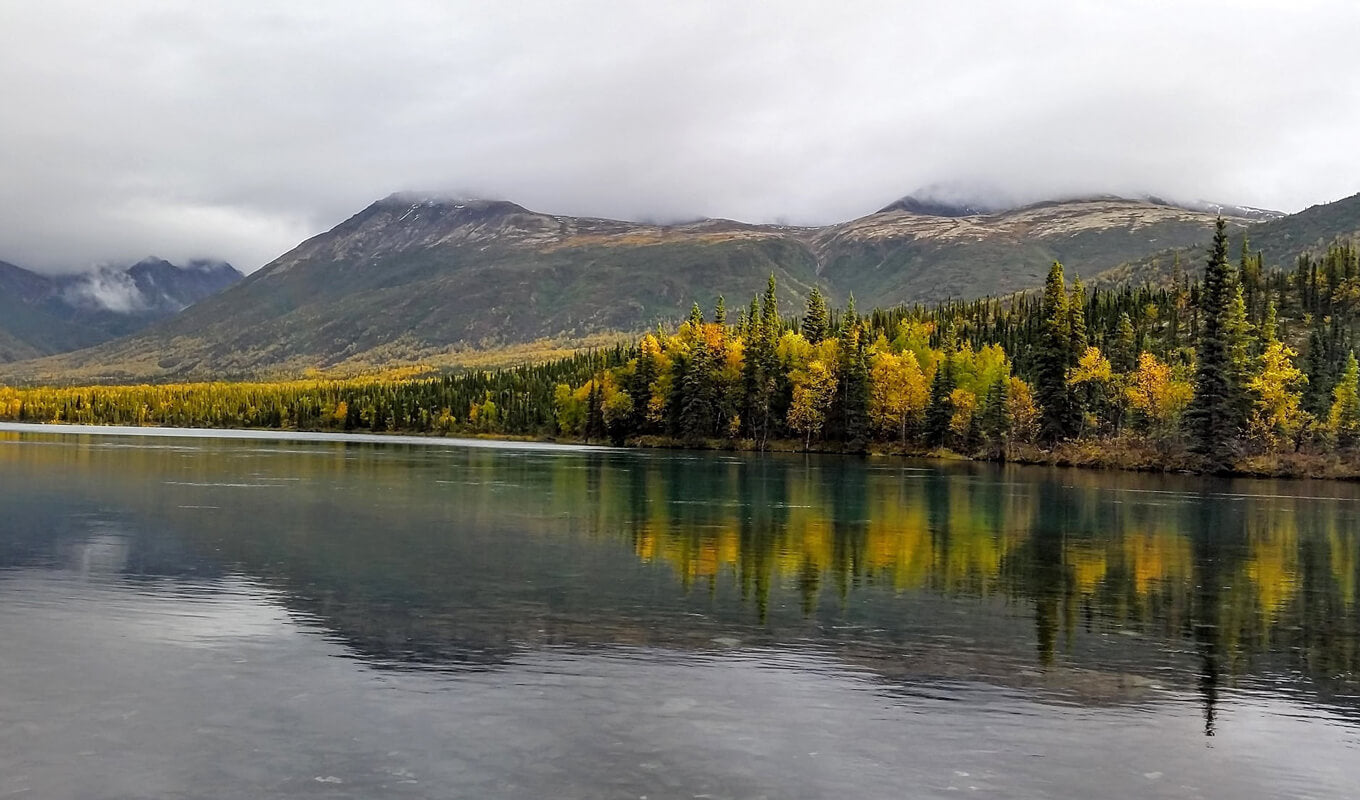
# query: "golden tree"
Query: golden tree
{"points": [[1023, 413], [1158, 396], [813, 389], [1277, 414], [898, 392]]}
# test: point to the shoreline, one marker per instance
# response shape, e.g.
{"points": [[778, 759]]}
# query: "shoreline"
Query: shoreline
{"points": [[294, 435], [1097, 455]]}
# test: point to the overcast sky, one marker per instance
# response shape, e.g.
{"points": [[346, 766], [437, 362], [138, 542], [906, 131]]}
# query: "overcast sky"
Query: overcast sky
{"points": [[236, 129]]}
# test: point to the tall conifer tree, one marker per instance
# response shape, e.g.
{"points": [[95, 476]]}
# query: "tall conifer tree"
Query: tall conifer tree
{"points": [[817, 320], [1124, 354], [1215, 417], [940, 409], [1076, 313], [1052, 358], [854, 402]]}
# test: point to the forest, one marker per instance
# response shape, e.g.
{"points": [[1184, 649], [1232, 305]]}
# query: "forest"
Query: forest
{"points": [[1247, 369]]}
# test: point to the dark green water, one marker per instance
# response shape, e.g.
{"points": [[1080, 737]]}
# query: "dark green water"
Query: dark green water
{"points": [[251, 618]]}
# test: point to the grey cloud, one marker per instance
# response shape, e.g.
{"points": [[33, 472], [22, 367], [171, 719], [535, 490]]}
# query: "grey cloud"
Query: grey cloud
{"points": [[106, 289], [236, 129]]}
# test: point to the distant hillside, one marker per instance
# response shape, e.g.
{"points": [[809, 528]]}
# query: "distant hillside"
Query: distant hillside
{"points": [[1280, 240], [41, 315], [412, 276]]}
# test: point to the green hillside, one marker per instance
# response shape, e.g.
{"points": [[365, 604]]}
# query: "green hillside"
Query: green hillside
{"points": [[1280, 241], [42, 315], [417, 278]]}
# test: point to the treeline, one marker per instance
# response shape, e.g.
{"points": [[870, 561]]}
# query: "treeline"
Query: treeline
{"points": [[1246, 362], [1206, 372], [517, 400]]}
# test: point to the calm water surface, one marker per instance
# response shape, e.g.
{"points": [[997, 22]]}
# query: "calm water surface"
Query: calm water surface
{"points": [[256, 618]]}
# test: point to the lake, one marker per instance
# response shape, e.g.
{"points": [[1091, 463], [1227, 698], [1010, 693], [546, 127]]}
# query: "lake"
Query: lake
{"points": [[225, 616]]}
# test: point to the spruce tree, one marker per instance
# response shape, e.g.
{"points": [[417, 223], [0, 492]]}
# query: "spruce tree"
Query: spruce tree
{"points": [[639, 388], [817, 320], [1124, 354], [720, 311], [1321, 364], [855, 400], [761, 369], [1240, 359], [1052, 357], [1076, 314], [1179, 293], [594, 427], [940, 410], [698, 394], [996, 420], [1216, 417], [1248, 275], [769, 310]]}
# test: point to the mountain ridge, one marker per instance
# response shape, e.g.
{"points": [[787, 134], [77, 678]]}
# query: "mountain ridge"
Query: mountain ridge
{"points": [[414, 276], [46, 314], [1281, 241]]}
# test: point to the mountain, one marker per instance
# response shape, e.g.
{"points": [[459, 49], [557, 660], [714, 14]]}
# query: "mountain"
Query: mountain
{"points": [[418, 277], [904, 256], [41, 314], [1281, 241]]}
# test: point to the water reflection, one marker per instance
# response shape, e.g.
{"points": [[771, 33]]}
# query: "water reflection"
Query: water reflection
{"points": [[1073, 586]]}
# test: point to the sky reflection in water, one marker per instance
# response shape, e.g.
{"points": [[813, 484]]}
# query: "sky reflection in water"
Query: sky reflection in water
{"points": [[217, 618]]}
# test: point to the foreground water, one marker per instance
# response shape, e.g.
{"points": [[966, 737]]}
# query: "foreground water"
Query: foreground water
{"points": [[254, 618]]}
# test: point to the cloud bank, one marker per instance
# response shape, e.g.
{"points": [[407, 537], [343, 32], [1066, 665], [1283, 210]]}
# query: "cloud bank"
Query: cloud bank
{"points": [[236, 129]]}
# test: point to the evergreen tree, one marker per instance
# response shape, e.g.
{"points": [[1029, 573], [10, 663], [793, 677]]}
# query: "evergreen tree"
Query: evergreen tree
{"points": [[698, 407], [817, 319], [996, 420], [1215, 418], [1240, 352], [1179, 298], [940, 410], [594, 423], [1270, 326], [1124, 354], [1323, 363], [720, 311], [1249, 276], [854, 402], [1076, 313], [769, 311], [639, 384], [761, 369], [696, 317], [1052, 358]]}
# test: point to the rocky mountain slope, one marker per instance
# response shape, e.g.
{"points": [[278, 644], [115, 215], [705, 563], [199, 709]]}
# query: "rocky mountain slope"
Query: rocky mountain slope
{"points": [[410, 277], [41, 314], [1281, 241]]}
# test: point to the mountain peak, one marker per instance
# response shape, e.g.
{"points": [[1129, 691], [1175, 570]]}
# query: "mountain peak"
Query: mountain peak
{"points": [[442, 200], [955, 199], [154, 264], [934, 208], [946, 201]]}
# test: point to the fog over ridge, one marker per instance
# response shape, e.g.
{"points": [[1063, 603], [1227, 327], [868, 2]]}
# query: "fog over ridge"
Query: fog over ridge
{"points": [[235, 130]]}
